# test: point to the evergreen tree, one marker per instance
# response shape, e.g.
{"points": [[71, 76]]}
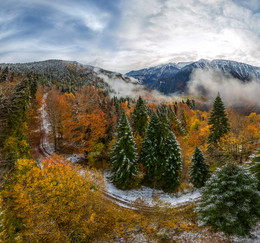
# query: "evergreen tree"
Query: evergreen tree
{"points": [[175, 106], [184, 121], [160, 154], [230, 201], [140, 117], [171, 163], [255, 168], [4, 75], [149, 152], [199, 170], [175, 123], [123, 157], [188, 102], [218, 121]]}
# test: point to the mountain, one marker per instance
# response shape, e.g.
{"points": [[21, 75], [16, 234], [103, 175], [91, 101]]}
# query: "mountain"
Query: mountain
{"points": [[172, 77], [71, 75]]}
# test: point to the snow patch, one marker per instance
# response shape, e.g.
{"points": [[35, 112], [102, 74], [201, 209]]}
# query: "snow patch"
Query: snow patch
{"points": [[147, 194]]}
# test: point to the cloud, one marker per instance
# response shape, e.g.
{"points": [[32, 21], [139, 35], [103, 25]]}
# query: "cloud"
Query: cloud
{"points": [[233, 91], [122, 35], [188, 30], [122, 86]]}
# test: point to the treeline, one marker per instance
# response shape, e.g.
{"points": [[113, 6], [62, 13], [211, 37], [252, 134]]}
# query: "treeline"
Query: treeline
{"points": [[16, 94], [67, 76], [87, 121]]}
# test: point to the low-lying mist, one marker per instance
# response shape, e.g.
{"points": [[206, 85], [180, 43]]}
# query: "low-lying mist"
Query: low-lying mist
{"points": [[233, 91], [132, 88]]}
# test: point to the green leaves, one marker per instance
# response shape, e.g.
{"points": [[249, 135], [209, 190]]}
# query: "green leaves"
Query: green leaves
{"points": [[123, 157], [140, 117], [230, 201], [218, 121], [160, 154], [199, 170]]}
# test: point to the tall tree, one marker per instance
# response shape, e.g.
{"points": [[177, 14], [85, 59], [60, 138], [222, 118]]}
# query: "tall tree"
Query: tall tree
{"points": [[160, 154], [230, 201], [199, 170], [218, 121], [149, 152], [140, 117], [171, 165], [255, 167], [123, 157], [175, 122]]}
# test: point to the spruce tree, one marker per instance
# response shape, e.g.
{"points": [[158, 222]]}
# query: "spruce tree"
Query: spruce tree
{"points": [[160, 154], [175, 122], [199, 170], [140, 117], [150, 149], [123, 157], [171, 165], [255, 168], [218, 121], [230, 201]]}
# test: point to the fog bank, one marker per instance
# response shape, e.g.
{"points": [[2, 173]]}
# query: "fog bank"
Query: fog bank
{"points": [[233, 91]]}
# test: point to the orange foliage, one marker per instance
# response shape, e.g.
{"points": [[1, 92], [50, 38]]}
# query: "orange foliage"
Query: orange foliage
{"points": [[89, 124]]}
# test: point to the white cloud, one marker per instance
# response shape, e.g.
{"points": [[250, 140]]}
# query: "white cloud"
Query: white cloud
{"points": [[153, 32], [145, 33], [233, 91]]}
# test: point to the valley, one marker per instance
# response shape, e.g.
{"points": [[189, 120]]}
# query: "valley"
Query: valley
{"points": [[75, 126]]}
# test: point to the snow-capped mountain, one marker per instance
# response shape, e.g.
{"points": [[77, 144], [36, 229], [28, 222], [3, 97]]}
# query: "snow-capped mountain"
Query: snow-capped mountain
{"points": [[169, 78]]}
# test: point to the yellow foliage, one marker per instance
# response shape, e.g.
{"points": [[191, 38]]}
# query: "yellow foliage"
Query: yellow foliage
{"points": [[195, 125], [61, 202]]}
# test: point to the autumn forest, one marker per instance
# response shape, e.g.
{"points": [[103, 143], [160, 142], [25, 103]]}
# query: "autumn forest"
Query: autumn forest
{"points": [[147, 141]]}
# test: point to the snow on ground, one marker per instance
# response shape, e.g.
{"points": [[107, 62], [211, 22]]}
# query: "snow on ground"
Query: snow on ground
{"points": [[206, 236], [147, 194], [46, 126], [75, 158]]}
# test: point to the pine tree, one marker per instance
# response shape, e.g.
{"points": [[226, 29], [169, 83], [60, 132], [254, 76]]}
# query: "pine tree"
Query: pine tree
{"points": [[160, 154], [255, 168], [150, 149], [230, 201], [218, 121], [4, 75], [140, 117], [199, 170], [123, 157], [171, 165], [175, 123]]}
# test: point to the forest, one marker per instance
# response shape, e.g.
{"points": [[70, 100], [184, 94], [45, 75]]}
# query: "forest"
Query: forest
{"points": [[171, 144]]}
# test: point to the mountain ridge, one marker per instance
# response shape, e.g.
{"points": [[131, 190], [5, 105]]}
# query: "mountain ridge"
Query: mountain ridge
{"points": [[168, 78], [71, 75]]}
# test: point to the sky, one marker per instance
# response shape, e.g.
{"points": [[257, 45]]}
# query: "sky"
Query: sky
{"points": [[124, 35]]}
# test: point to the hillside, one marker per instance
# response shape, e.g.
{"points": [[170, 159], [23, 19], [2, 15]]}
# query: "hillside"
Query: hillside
{"points": [[71, 75]]}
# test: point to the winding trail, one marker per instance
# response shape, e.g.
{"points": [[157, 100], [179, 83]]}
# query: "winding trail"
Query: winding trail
{"points": [[45, 147]]}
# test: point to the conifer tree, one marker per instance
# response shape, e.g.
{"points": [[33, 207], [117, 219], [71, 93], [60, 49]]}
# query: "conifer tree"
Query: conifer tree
{"points": [[160, 154], [218, 121], [123, 157], [230, 201], [255, 168], [199, 170], [140, 117], [149, 152], [171, 164], [174, 122]]}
